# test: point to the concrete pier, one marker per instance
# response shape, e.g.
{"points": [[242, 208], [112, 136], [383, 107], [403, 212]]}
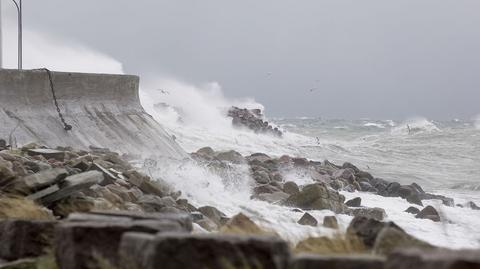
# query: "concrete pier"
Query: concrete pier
{"points": [[104, 111]]}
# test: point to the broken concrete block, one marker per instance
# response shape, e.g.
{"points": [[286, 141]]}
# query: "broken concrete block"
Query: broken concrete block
{"points": [[175, 250], [24, 238], [79, 245], [73, 184], [48, 153], [44, 178]]}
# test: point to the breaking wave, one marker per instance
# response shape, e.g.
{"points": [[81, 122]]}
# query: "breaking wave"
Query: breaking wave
{"points": [[416, 126]]}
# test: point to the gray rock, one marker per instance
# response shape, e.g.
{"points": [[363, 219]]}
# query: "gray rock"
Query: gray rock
{"points": [[108, 177], [429, 212], [355, 202], [413, 210], [273, 198], [363, 174], [445, 200], [337, 184], [261, 157], [24, 238], [217, 216], [206, 151], [433, 259], [317, 197], [330, 222], [291, 188], [261, 177], [153, 203], [37, 196], [265, 188], [312, 261], [183, 220], [308, 219], [78, 244], [231, 156], [172, 251], [414, 199], [44, 178], [48, 153], [473, 206], [73, 184], [350, 166], [367, 230], [390, 239], [373, 213], [347, 174], [145, 184]]}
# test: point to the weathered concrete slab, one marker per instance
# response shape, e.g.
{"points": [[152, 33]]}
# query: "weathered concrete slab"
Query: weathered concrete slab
{"points": [[79, 245], [24, 238], [44, 178], [73, 184], [186, 251], [104, 111]]}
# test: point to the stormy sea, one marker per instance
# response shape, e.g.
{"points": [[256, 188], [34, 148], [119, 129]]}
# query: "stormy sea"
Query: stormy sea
{"points": [[442, 156]]}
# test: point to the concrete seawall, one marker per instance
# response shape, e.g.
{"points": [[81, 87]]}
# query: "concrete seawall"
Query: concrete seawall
{"points": [[104, 111]]}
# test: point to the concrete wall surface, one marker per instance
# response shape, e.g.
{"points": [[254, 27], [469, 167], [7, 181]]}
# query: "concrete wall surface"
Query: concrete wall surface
{"points": [[104, 111]]}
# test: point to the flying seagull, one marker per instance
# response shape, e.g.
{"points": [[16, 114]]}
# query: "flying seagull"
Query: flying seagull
{"points": [[163, 91]]}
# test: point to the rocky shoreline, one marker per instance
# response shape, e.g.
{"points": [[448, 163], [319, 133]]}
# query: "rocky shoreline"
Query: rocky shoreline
{"points": [[96, 209]]}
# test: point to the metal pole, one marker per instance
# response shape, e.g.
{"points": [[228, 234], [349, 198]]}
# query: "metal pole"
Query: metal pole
{"points": [[20, 37], [1, 37], [20, 30]]}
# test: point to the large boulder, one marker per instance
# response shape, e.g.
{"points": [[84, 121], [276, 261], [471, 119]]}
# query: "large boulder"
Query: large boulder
{"points": [[390, 239], [291, 187], [44, 178], [81, 244], [173, 250], [373, 213], [311, 261], [445, 200], [412, 210], [273, 198], [317, 197], [429, 212], [347, 174], [217, 216], [231, 156], [308, 219], [73, 184], [24, 238], [367, 230], [355, 202], [330, 222]]}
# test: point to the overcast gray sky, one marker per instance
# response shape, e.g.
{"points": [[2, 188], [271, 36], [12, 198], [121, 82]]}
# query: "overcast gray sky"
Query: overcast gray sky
{"points": [[370, 58]]}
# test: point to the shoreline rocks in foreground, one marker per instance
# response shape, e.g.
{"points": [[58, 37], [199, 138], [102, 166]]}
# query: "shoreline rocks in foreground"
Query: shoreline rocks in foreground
{"points": [[94, 209]]}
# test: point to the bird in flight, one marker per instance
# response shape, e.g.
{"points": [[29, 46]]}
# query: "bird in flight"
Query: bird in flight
{"points": [[164, 91]]}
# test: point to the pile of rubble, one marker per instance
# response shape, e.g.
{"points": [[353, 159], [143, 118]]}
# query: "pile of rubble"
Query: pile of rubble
{"points": [[253, 120]]}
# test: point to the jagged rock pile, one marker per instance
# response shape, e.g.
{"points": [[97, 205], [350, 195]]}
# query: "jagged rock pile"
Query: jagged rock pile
{"points": [[253, 120]]}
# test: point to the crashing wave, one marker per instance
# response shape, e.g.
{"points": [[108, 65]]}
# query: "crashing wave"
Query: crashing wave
{"points": [[373, 124], [415, 126]]}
